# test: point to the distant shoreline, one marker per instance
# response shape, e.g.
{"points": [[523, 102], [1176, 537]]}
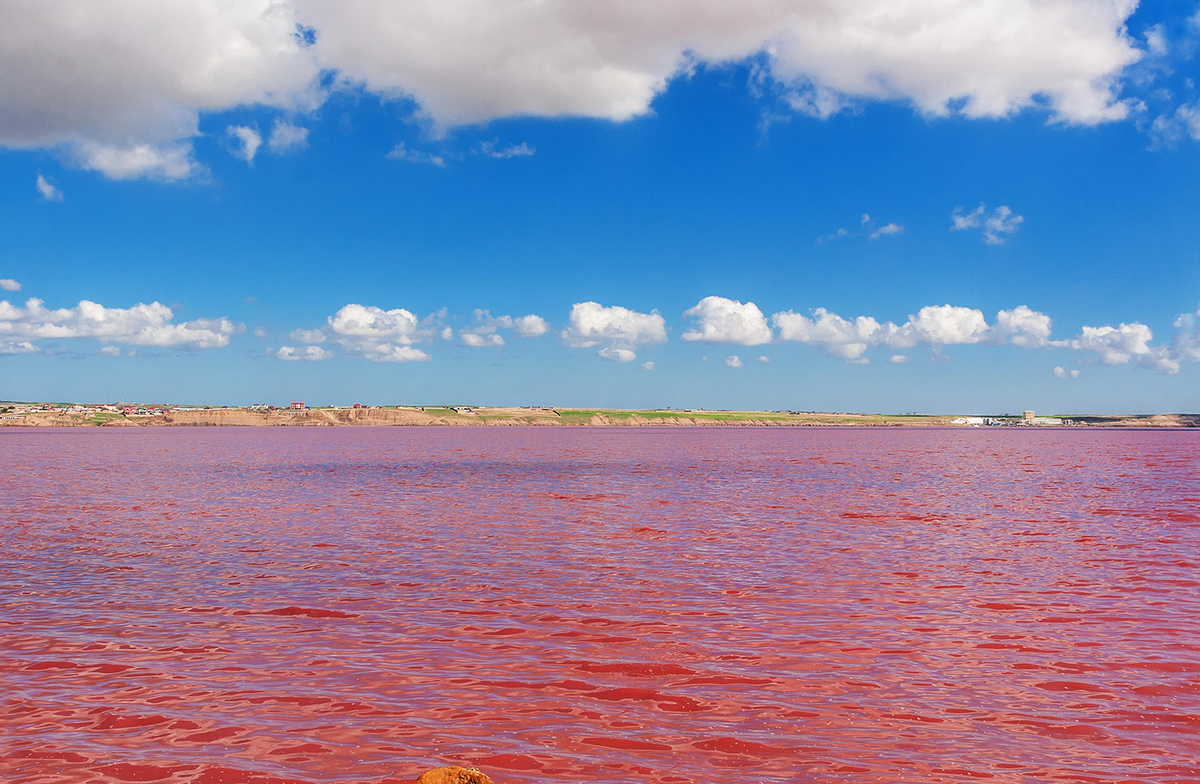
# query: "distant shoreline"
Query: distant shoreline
{"points": [[50, 415]]}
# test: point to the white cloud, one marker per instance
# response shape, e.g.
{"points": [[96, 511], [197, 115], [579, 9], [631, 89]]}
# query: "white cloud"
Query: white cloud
{"points": [[934, 325], [1156, 40], [898, 359], [530, 326], [479, 341], [165, 162], [483, 333], [13, 347], [447, 333], [1186, 343], [869, 230], [286, 137], [491, 150], [764, 360], [248, 141], [1126, 343], [47, 189], [837, 235], [109, 351], [378, 335], [389, 353], [733, 361], [140, 325], [8, 284], [617, 354], [1021, 326], [1002, 220], [308, 335], [309, 353], [1060, 373], [262, 332], [721, 320], [122, 83], [402, 153], [839, 337], [473, 61], [937, 325], [591, 324], [890, 230], [647, 366], [1170, 128], [374, 324]]}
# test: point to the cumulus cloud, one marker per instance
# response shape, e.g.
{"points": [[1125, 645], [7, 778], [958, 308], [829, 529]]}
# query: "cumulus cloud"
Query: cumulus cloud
{"points": [[479, 341], [377, 334], [402, 153], [484, 331], [764, 360], [128, 79], [247, 141], [839, 337], [530, 326], [721, 320], [733, 361], [647, 366], [14, 347], [140, 325], [591, 324], [1124, 344], [308, 335], [309, 353], [286, 137], [47, 189], [167, 162], [934, 326], [899, 359], [8, 284], [1001, 220], [617, 354], [1021, 326], [890, 230], [1061, 373]]}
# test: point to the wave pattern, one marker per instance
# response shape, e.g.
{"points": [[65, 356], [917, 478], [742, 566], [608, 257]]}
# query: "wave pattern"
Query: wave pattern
{"points": [[231, 606]]}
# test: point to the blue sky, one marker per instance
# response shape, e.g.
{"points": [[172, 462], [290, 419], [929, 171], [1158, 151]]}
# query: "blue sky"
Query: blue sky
{"points": [[737, 192]]}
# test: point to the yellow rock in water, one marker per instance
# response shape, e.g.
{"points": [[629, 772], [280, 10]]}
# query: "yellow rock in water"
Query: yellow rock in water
{"points": [[453, 775]]}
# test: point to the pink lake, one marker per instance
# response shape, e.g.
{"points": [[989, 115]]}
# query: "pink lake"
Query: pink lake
{"points": [[227, 605]]}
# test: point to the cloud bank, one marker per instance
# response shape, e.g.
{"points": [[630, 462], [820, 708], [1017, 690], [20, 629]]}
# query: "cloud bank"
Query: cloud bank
{"points": [[934, 326], [120, 86], [140, 325]]}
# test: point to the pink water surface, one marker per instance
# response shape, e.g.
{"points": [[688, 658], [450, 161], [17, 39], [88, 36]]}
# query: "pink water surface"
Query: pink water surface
{"points": [[609, 605]]}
